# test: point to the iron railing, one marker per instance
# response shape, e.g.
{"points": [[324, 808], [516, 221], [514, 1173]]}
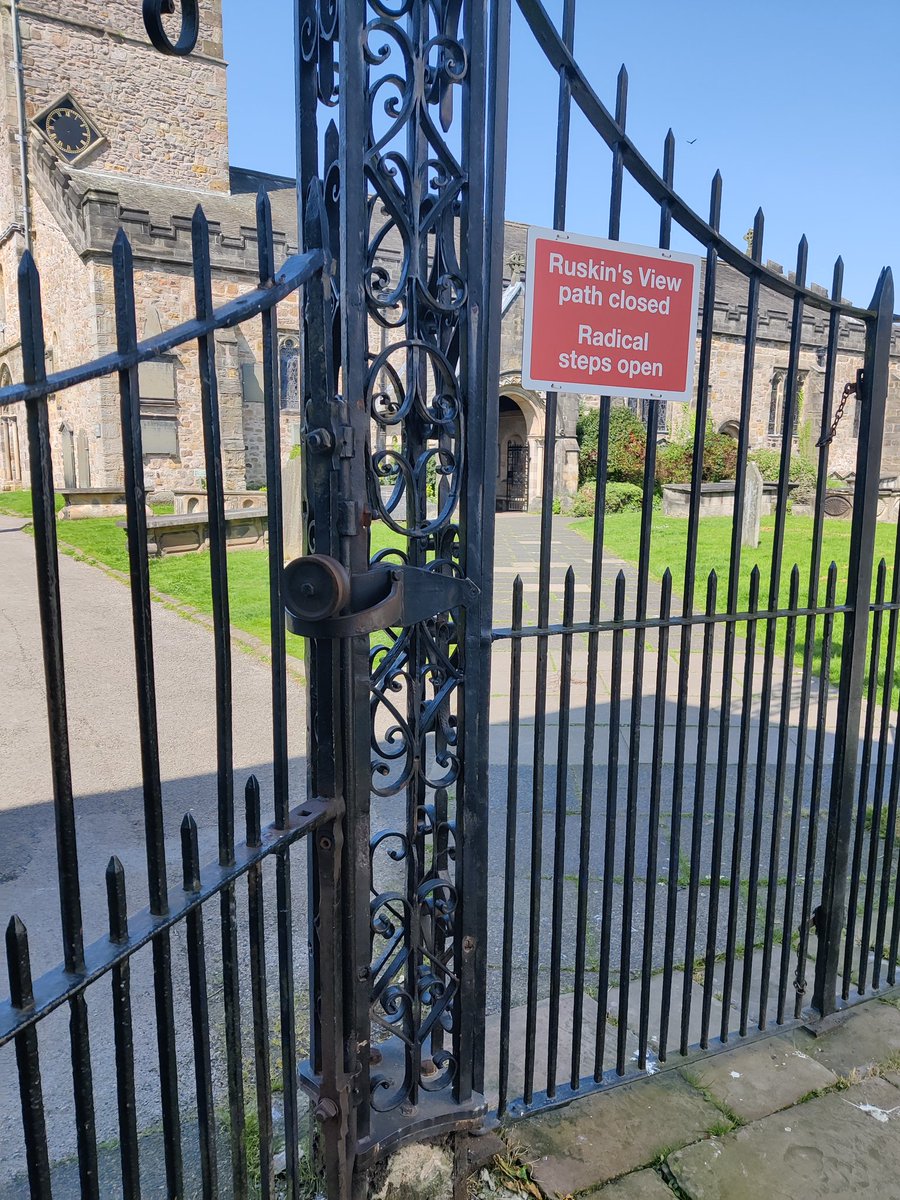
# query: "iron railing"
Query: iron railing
{"points": [[87, 968], [676, 899]]}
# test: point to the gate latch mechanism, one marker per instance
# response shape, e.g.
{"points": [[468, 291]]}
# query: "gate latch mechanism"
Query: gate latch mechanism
{"points": [[323, 600]]}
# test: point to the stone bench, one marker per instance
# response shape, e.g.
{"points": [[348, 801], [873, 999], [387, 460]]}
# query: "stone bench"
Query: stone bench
{"points": [[191, 500], [185, 534], [93, 502]]}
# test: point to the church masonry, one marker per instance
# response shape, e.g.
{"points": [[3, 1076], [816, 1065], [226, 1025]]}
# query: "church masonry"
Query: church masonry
{"points": [[156, 144]]}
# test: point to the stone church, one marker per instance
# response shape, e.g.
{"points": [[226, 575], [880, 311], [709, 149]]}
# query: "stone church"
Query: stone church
{"points": [[101, 132]]}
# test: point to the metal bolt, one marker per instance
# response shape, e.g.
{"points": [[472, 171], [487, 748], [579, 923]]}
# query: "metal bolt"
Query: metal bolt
{"points": [[307, 589], [320, 440], [362, 974], [324, 843], [407, 1109], [468, 944], [326, 1109]]}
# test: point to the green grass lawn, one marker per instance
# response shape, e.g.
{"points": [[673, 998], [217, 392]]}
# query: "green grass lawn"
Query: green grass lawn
{"points": [[183, 577], [668, 548]]}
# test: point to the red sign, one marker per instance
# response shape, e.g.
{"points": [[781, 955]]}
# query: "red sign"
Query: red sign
{"points": [[609, 319]]}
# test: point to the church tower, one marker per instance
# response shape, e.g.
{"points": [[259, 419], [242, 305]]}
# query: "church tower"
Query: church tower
{"points": [[100, 98]]}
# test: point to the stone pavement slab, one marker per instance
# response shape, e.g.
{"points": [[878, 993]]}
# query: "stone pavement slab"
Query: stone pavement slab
{"points": [[870, 1034], [607, 1135], [517, 1027], [640, 1185], [837, 1146], [760, 1078]]}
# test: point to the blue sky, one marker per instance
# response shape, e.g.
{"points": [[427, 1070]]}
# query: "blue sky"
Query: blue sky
{"points": [[794, 101]]}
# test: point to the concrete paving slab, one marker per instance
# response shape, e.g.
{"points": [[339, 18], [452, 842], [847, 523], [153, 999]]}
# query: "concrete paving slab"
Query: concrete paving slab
{"points": [[595, 1140], [639, 1185], [837, 1146], [760, 1078], [869, 1035]]}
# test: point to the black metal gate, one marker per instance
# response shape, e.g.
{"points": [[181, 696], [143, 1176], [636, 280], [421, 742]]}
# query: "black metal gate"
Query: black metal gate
{"points": [[516, 478], [669, 834]]}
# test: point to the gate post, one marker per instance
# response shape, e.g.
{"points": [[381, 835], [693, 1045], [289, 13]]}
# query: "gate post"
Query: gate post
{"points": [[871, 396]]}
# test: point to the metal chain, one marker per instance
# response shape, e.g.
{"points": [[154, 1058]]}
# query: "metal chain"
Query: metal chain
{"points": [[849, 390]]}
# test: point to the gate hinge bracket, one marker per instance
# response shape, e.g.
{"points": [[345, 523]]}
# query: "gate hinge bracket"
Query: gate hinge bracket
{"points": [[322, 600], [345, 441], [348, 518]]}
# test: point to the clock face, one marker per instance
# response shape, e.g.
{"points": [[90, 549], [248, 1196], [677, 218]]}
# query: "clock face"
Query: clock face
{"points": [[68, 130]]}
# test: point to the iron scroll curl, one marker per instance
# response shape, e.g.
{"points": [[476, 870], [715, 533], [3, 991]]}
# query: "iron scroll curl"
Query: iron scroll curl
{"points": [[153, 12]]}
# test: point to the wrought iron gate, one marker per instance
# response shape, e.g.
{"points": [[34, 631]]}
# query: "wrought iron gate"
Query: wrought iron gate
{"points": [[645, 878], [516, 478]]}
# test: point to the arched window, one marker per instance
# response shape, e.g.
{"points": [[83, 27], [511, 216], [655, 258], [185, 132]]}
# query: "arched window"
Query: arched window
{"points": [[289, 372]]}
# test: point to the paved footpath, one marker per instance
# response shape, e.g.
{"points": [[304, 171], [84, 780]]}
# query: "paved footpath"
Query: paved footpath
{"points": [[782, 1117], [109, 810]]}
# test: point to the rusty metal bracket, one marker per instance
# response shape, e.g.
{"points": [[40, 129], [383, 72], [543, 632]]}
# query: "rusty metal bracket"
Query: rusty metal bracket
{"points": [[317, 588]]}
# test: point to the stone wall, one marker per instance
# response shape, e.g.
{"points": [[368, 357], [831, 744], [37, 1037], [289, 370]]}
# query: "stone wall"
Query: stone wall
{"points": [[166, 118]]}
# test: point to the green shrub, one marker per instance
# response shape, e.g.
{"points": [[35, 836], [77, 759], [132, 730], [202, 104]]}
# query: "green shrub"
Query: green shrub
{"points": [[620, 497], [802, 471], [673, 463], [627, 445], [768, 462], [719, 457], [623, 497], [583, 501]]}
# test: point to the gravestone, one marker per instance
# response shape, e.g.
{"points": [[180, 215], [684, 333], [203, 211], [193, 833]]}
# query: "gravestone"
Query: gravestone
{"points": [[753, 495], [291, 497]]}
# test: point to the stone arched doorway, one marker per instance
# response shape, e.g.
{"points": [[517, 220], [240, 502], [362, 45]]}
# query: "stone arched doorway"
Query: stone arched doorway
{"points": [[520, 448]]}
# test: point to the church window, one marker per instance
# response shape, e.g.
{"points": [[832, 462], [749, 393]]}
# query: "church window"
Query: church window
{"points": [[777, 400], [289, 372]]}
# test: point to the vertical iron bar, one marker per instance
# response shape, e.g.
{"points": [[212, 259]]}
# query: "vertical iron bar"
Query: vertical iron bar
{"points": [[486, 36], [590, 733], [877, 795], [495, 153], [34, 370], [141, 616], [778, 801], [218, 563], [887, 712], [659, 730], [34, 1126], [737, 841], [124, 1035], [709, 638], [257, 937], [862, 794], [815, 791], [634, 746], [206, 1117], [609, 846], [546, 551], [815, 567], [684, 656], [872, 395], [47, 563], [272, 418], [512, 816], [559, 847]]}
